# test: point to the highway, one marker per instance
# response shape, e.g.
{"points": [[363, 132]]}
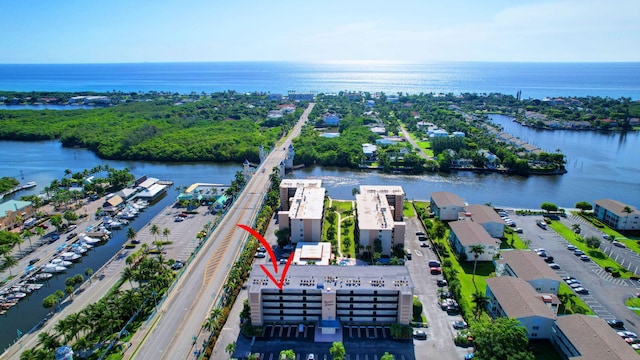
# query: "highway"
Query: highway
{"points": [[175, 332]]}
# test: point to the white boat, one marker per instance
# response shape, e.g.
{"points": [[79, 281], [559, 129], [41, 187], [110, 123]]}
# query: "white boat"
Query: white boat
{"points": [[42, 276], [53, 269], [61, 262], [90, 240], [29, 185], [79, 249], [70, 256], [16, 295]]}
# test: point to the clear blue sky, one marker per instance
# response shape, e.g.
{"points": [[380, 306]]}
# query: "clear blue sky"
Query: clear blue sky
{"points": [[90, 31]]}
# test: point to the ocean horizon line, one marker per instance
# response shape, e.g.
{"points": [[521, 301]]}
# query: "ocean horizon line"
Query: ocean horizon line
{"points": [[329, 62]]}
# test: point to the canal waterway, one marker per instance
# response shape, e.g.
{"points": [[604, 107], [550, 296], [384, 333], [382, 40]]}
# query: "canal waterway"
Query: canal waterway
{"points": [[600, 165]]}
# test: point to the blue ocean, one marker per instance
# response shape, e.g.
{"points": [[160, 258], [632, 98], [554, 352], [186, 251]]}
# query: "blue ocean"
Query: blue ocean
{"points": [[534, 80]]}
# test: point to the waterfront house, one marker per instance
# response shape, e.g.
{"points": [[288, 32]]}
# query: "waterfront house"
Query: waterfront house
{"points": [[331, 120], [515, 298], [14, 212], [528, 266], [487, 217], [588, 337], [446, 205], [369, 151], [466, 234], [618, 215]]}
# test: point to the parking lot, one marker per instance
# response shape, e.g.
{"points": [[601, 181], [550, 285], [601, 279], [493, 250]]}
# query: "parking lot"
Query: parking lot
{"points": [[606, 294]]}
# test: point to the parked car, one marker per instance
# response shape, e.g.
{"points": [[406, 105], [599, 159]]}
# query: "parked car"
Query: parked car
{"points": [[584, 258], [554, 266], [261, 249], [70, 228], [541, 224], [518, 230], [619, 244], [434, 263], [605, 236], [575, 285], [419, 335], [459, 325], [424, 244], [177, 265], [33, 261], [260, 255], [178, 219], [581, 290], [571, 247], [616, 323], [578, 252], [572, 281], [548, 259], [72, 235], [441, 282], [420, 233], [435, 270]]}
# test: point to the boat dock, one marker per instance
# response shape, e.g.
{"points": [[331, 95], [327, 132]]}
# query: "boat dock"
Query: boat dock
{"points": [[26, 186]]}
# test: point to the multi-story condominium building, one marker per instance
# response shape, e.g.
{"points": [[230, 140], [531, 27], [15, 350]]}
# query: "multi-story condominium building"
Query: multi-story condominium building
{"points": [[530, 267], [379, 217], [288, 188], [446, 205], [304, 217], [330, 295], [618, 215], [587, 337]]}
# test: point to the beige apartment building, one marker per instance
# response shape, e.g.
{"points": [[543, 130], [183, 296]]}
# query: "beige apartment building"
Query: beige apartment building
{"points": [[379, 217], [301, 208]]}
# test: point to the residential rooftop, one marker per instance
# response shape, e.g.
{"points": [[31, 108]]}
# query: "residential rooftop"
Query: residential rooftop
{"points": [[471, 233], [527, 265], [593, 338], [335, 277], [518, 299]]}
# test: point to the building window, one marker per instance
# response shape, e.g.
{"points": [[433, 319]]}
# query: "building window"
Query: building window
{"points": [[536, 327], [304, 318]]}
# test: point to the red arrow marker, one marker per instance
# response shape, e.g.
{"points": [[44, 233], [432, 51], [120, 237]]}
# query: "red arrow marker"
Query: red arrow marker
{"points": [[278, 283]]}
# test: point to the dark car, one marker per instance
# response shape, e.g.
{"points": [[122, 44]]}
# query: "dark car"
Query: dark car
{"points": [[548, 259], [441, 282], [33, 261], [72, 235], [420, 334], [177, 265], [616, 324], [424, 244]]}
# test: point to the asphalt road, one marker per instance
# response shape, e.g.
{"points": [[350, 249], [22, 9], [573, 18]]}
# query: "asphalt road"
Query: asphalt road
{"points": [[175, 333], [440, 332]]}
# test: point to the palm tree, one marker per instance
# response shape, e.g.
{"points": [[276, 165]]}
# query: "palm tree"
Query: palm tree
{"points": [[337, 350], [27, 234], [481, 301], [230, 348], [575, 228], [476, 250], [131, 234], [154, 230], [88, 272], [166, 232], [9, 262]]}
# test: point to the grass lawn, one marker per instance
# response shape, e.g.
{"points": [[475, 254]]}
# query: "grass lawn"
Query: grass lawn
{"points": [[596, 255], [573, 306], [343, 206], [634, 302], [407, 210]]}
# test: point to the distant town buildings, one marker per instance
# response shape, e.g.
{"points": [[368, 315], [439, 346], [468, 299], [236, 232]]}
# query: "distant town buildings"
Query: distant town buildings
{"points": [[14, 212]]}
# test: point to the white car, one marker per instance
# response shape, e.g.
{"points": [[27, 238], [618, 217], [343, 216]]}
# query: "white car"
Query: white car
{"points": [[618, 244]]}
